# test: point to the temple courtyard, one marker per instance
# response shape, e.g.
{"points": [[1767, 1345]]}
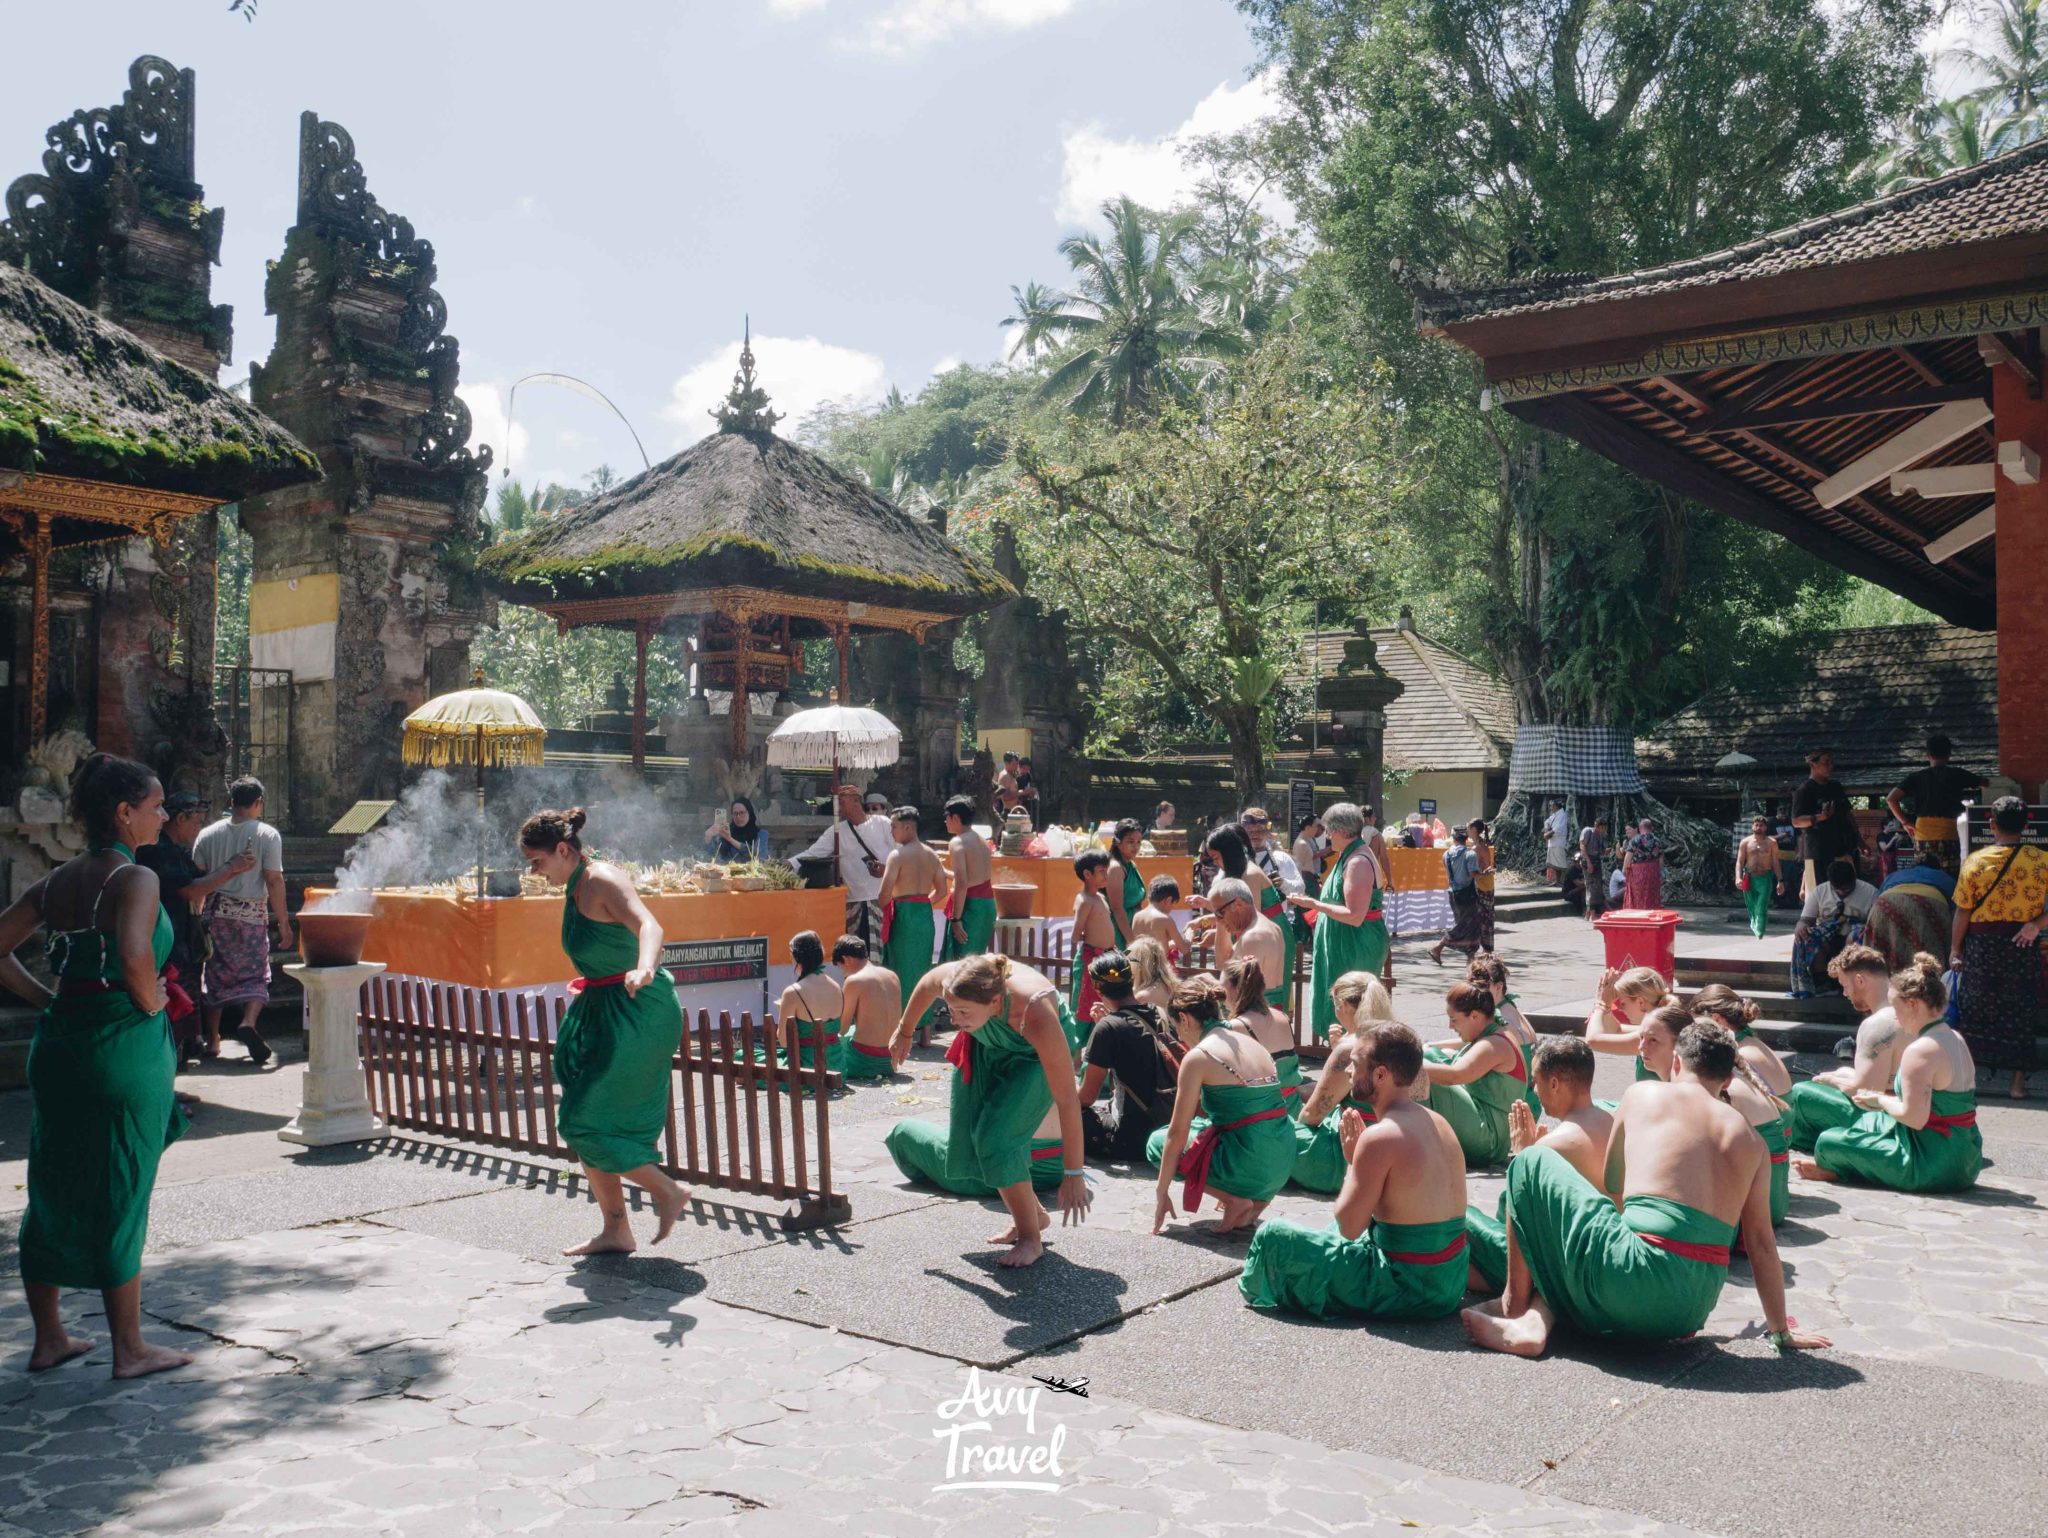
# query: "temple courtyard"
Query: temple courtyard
{"points": [[388, 1342]]}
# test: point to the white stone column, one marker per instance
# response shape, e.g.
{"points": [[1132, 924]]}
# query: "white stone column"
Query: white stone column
{"points": [[334, 1101]]}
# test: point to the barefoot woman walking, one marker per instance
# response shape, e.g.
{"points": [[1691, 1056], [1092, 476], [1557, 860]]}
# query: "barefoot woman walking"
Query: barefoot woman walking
{"points": [[100, 1068], [613, 1053]]}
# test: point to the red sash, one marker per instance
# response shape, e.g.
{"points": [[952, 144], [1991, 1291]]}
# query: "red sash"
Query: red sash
{"points": [[1050, 1152], [957, 900], [1711, 1254], [1781, 1157], [1946, 1125], [1449, 1252], [866, 1051], [1372, 914], [889, 911], [1194, 1162], [830, 1041], [578, 984], [961, 1055]]}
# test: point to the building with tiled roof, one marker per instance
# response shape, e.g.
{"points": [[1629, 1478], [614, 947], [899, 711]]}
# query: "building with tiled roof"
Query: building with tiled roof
{"points": [[1872, 695], [1449, 733]]}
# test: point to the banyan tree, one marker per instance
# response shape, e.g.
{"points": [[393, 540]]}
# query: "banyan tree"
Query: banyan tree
{"points": [[744, 545]]}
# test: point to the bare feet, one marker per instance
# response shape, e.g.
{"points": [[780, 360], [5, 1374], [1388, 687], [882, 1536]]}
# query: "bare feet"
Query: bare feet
{"points": [[1524, 1335], [1809, 1170], [616, 1239], [668, 1214], [140, 1364], [64, 1349], [1010, 1234], [1025, 1253], [2018, 1091]]}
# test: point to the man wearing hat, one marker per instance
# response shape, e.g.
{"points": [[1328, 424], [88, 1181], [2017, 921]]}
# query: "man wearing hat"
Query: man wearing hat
{"points": [[858, 845], [183, 889]]}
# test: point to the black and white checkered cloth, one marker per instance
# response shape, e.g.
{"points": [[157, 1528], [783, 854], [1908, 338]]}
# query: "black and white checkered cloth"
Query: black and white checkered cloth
{"points": [[1574, 761]]}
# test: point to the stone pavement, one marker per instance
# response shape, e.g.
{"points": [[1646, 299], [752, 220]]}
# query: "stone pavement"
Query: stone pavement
{"points": [[389, 1343]]}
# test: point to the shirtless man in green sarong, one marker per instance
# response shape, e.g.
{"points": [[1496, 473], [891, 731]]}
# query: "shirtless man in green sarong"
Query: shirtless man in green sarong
{"points": [[971, 907], [1562, 1078], [1239, 929], [872, 1002], [1689, 1170], [1828, 1099]]}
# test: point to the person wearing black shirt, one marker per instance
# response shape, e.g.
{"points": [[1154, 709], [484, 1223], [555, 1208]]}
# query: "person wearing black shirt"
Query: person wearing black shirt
{"points": [[1130, 1047], [1936, 794], [1824, 818], [182, 887]]}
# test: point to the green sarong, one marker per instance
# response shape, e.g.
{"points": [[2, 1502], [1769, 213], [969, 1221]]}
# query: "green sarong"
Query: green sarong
{"points": [[101, 1109], [1486, 1243], [1757, 899], [919, 1149], [978, 918], [808, 1034], [1391, 1271], [1134, 899], [1319, 1152], [862, 1064], [1477, 1112], [909, 949], [1777, 1140], [1248, 1160], [614, 1056], [999, 1098], [1340, 947], [1945, 1155], [1606, 1272], [1817, 1108]]}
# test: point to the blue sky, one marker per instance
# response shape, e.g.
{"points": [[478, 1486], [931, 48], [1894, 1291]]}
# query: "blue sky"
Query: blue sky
{"points": [[609, 187]]}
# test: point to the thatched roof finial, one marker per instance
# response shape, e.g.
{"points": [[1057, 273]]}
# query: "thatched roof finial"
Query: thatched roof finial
{"points": [[746, 408]]}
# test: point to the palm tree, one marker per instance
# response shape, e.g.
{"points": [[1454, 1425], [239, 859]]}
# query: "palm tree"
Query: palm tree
{"points": [[1138, 327], [2016, 63], [1946, 136]]}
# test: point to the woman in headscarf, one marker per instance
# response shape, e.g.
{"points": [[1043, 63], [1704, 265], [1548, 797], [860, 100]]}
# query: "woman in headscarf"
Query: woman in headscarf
{"points": [[739, 837]]}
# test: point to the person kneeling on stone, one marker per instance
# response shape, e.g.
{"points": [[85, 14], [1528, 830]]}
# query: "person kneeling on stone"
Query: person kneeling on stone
{"points": [[1396, 1249], [1689, 1170], [1246, 1151]]}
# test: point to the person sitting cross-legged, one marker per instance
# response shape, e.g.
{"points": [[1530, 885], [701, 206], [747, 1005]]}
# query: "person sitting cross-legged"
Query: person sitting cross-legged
{"points": [[1473, 1087], [1923, 1135], [1825, 1100], [1246, 1152], [871, 1002], [1688, 1169], [1396, 1247], [1564, 1085]]}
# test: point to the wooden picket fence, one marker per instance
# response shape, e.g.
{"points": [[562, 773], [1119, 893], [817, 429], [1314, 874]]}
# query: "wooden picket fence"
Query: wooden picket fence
{"points": [[477, 1065]]}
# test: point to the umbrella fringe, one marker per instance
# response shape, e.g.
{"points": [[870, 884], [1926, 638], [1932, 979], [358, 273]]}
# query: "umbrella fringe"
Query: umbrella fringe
{"points": [[438, 744]]}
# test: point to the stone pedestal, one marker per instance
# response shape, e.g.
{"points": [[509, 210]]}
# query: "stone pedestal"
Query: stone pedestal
{"points": [[334, 1103]]}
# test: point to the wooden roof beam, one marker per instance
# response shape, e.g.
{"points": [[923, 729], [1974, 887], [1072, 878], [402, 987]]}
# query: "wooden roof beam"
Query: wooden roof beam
{"points": [[2024, 359], [1852, 406], [1935, 430], [1972, 531]]}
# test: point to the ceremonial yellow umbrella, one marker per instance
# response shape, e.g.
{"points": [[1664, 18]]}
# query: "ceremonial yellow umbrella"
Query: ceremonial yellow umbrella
{"points": [[474, 725]]}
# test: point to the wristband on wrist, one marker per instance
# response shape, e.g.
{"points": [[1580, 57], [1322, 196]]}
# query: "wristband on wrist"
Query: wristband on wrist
{"points": [[1074, 1174], [1781, 1339]]}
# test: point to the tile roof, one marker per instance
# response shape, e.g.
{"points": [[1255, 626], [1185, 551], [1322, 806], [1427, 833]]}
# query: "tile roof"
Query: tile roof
{"points": [[2004, 196], [1872, 695], [1450, 714]]}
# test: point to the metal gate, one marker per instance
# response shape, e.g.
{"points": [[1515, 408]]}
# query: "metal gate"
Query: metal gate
{"points": [[255, 709]]}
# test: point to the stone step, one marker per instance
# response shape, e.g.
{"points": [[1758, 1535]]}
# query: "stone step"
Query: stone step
{"points": [[1738, 972], [1521, 910], [1828, 1014]]}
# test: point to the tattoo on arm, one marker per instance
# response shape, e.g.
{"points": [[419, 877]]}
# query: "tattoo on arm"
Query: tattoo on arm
{"points": [[1869, 1049]]}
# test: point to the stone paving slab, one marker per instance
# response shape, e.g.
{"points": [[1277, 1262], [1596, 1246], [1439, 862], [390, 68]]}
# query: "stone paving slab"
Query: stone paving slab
{"points": [[358, 1379], [1761, 1445], [928, 1278]]}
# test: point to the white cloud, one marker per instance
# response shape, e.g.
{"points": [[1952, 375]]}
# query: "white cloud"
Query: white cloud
{"points": [[1096, 167], [800, 374], [486, 403], [906, 25], [795, 7], [946, 365]]}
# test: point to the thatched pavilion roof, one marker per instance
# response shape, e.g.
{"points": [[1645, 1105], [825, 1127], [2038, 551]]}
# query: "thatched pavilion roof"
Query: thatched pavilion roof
{"points": [[740, 510], [84, 400]]}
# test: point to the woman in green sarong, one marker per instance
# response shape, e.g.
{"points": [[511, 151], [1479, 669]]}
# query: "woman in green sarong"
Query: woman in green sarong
{"points": [[1473, 1087], [100, 1068], [1126, 892], [1622, 1000], [1491, 973], [614, 1055], [1013, 1060], [1247, 999], [1922, 1136], [1350, 932], [1246, 1152], [810, 1009], [1319, 1161]]}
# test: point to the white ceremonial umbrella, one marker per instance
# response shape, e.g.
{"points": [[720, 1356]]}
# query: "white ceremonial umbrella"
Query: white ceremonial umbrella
{"points": [[835, 735]]}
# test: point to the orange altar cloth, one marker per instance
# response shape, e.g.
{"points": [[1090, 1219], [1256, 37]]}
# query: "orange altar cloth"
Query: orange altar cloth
{"points": [[516, 942], [1058, 886], [1417, 870]]}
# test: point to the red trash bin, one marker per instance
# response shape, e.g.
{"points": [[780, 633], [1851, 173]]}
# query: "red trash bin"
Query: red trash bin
{"points": [[1642, 937]]}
